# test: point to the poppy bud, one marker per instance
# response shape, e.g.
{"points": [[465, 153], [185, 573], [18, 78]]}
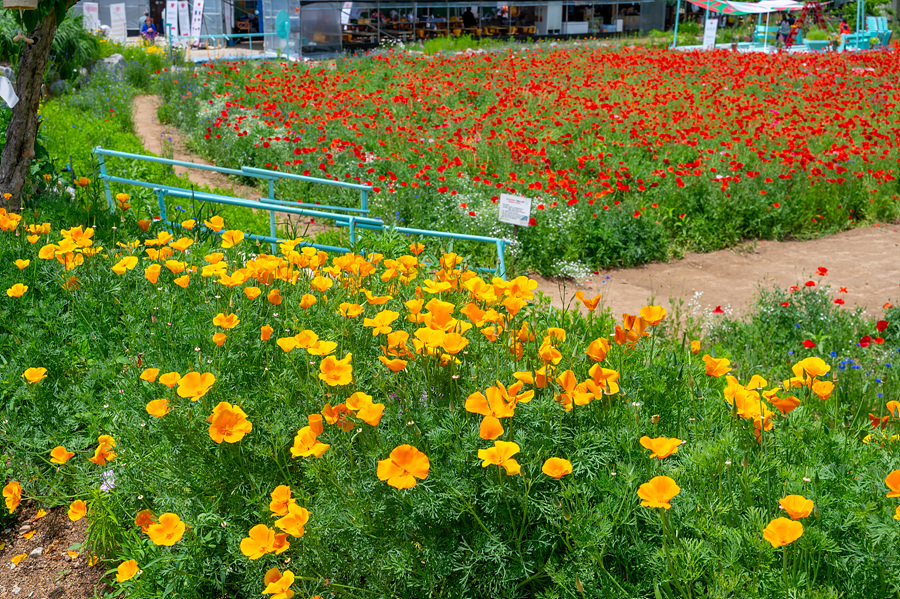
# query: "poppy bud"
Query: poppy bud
{"points": [[655, 419]]}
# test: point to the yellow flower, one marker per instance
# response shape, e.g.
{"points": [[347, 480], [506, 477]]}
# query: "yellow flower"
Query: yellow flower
{"points": [[59, 455], [231, 238], [557, 467], [183, 281], [277, 584], [34, 375], [226, 322], [501, 455], [12, 494], [126, 570], [158, 408], [796, 506], [17, 290], [20, 264], [125, 264], [781, 532], [716, 367], [336, 372], [228, 423], [661, 447], [195, 385], [260, 541], [77, 510], [167, 531], [658, 492], [403, 467], [294, 521], [104, 452]]}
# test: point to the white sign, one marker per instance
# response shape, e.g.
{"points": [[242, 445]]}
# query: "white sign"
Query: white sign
{"points": [[184, 18], [117, 29], [197, 19], [345, 13], [709, 33], [515, 210], [7, 93], [172, 18], [91, 18]]}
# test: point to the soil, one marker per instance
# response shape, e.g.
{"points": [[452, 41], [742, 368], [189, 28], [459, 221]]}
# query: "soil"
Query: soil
{"points": [[48, 571], [863, 260]]}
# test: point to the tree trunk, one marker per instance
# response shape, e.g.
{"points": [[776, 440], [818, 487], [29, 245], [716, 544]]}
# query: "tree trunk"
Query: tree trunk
{"points": [[22, 130]]}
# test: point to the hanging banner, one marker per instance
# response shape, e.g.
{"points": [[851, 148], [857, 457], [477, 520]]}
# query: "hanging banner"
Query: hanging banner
{"points": [[91, 18], [184, 18], [172, 18], [7, 93], [709, 33], [197, 19], [117, 29], [345, 13]]}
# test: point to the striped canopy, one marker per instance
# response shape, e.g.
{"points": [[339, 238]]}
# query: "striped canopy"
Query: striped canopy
{"points": [[732, 7]]}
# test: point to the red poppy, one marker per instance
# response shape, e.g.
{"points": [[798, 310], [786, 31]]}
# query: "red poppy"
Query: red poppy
{"points": [[809, 344], [718, 310], [865, 341], [881, 325]]}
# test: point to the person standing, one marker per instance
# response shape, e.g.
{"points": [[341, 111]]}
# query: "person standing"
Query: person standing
{"points": [[784, 29], [845, 28]]}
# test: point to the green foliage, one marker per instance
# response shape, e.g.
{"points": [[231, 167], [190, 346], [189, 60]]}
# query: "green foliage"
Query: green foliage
{"points": [[817, 34], [465, 530], [73, 48]]}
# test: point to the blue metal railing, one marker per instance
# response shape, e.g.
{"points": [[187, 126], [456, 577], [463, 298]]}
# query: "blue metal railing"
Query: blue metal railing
{"points": [[353, 218]]}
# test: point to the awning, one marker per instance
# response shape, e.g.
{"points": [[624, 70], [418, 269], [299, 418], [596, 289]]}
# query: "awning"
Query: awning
{"points": [[732, 7]]}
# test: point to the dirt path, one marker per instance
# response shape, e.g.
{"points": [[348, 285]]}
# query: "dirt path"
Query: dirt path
{"points": [[163, 139], [865, 261]]}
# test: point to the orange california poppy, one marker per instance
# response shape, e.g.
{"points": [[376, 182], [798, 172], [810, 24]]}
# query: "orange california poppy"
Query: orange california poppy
{"points": [[229, 424], [274, 297], [231, 238], [716, 367], [260, 541], [403, 467], [77, 510], [501, 455], [336, 372], [194, 385], [150, 375], [598, 349], [167, 531], [12, 494], [226, 322], [893, 482], [395, 365], [653, 315], [557, 467], [170, 379], [252, 292], [104, 452], [661, 447], [183, 281], [126, 570], [294, 521], [34, 375], [782, 531], [278, 584], [590, 304], [281, 499], [306, 444], [796, 506], [59, 455], [125, 264], [658, 492], [144, 519]]}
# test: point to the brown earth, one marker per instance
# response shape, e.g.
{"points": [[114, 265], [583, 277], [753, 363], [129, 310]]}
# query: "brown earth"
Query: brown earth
{"points": [[48, 571], [866, 261]]}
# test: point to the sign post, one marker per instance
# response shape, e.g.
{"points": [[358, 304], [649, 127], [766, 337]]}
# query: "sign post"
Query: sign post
{"points": [[91, 21], [117, 29], [709, 33], [514, 210], [197, 21]]}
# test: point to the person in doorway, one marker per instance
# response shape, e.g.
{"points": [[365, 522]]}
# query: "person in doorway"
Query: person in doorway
{"points": [[469, 19], [148, 29], [142, 19], [784, 30], [845, 28]]}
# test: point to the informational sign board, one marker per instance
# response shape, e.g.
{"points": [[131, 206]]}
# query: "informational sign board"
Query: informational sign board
{"points": [[117, 29], [91, 19], [184, 18], [197, 19], [345, 12], [172, 18], [709, 33], [515, 210]]}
